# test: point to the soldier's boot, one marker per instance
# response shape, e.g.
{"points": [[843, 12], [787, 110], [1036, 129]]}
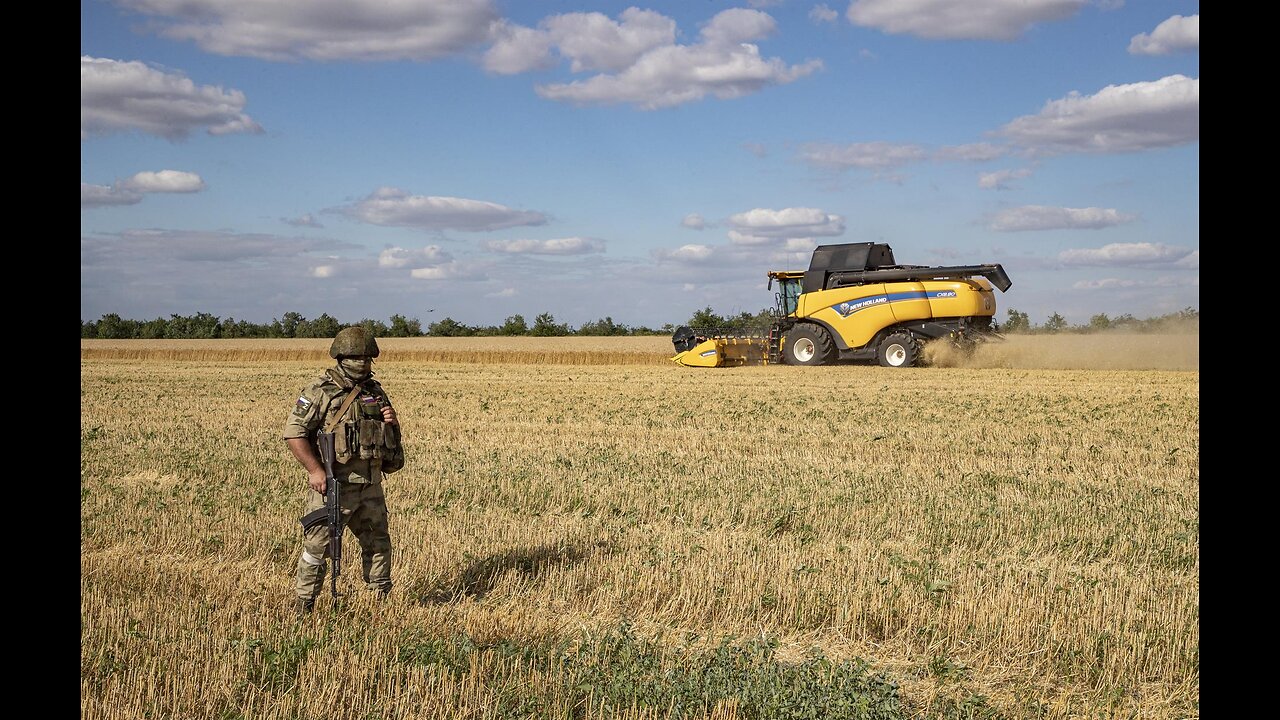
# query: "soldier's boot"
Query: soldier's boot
{"points": [[304, 606]]}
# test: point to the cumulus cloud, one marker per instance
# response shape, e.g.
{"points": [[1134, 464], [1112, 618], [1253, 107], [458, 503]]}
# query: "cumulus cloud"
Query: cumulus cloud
{"points": [[694, 221], [129, 191], [1190, 262], [395, 257], [1043, 217], [1119, 118], [638, 60], [503, 293], [959, 19], [118, 96], [763, 226], [687, 253], [307, 220], [396, 208], [165, 181], [558, 246], [322, 29], [324, 271], [448, 271], [590, 41], [999, 180], [822, 13], [1126, 254], [1177, 34]]}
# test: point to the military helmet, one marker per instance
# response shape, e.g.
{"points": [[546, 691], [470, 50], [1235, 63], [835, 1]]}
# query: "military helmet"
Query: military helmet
{"points": [[354, 340]]}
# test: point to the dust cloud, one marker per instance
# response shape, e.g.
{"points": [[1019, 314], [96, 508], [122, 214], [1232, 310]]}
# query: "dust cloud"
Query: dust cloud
{"points": [[1093, 351]]}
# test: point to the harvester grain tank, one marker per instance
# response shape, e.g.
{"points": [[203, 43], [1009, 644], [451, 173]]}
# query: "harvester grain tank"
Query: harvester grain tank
{"points": [[856, 303]]}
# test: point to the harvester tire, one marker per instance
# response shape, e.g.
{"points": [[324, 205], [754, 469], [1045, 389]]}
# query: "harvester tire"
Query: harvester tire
{"points": [[808, 344], [898, 349]]}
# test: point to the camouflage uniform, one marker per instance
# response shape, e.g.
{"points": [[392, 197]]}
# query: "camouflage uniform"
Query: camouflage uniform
{"points": [[365, 449]]}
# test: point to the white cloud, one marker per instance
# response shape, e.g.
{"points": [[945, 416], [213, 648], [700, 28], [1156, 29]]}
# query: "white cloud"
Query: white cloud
{"points": [[959, 19], [447, 271], [973, 152], [394, 207], [762, 226], [1119, 118], [686, 253], [590, 41], [1126, 254], [165, 181], [323, 271], [638, 60], [1190, 262], [503, 293], [757, 149], [1042, 217], [1177, 34], [322, 29], [999, 180], [822, 13], [395, 257], [877, 156], [693, 221], [107, 195], [558, 246], [131, 190], [118, 96]]}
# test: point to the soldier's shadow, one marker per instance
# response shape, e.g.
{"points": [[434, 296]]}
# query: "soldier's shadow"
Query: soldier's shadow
{"points": [[480, 576]]}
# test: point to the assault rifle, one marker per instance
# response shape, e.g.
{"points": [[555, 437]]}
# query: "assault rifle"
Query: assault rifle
{"points": [[331, 513]]}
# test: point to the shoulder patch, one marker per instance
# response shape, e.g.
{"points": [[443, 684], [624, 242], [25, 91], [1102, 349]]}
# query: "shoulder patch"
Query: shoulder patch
{"points": [[302, 406]]}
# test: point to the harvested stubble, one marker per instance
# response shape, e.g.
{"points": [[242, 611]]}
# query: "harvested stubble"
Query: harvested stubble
{"points": [[1019, 542]]}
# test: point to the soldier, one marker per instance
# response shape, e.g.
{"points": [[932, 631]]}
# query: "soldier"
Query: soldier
{"points": [[349, 402]]}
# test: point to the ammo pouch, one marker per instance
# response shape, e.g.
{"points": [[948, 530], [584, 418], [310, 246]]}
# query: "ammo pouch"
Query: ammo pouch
{"points": [[367, 440]]}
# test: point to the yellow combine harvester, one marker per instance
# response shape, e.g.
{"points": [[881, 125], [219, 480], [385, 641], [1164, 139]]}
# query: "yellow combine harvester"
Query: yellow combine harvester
{"points": [[855, 303]]}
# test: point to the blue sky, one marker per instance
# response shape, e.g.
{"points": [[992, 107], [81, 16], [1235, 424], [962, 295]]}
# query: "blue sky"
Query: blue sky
{"points": [[479, 159]]}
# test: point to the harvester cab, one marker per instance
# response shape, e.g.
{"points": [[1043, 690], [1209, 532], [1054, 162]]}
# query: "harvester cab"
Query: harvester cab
{"points": [[856, 303]]}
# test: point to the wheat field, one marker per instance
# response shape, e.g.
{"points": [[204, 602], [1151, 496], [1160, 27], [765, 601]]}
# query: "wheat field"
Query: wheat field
{"points": [[583, 529]]}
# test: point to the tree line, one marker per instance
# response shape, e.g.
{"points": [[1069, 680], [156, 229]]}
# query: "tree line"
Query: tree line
{"points": [[294, 325]]}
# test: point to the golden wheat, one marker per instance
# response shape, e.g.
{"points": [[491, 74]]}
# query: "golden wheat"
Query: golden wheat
{"points": [[1029, 536]]}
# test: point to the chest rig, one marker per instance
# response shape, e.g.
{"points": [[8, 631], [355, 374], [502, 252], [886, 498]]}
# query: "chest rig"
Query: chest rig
{"points": [[354, 416]]}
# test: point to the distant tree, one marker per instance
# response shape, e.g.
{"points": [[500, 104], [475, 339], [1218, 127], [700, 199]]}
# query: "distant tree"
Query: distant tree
{"points": [[325, 326], [402, 327], [707, 318], [376, 328], [545, 325], [1018, 322], [449, 327], [514, 325], [1055, 324], [112, 327], [1100, 322], [152, 329], [605, 326]]}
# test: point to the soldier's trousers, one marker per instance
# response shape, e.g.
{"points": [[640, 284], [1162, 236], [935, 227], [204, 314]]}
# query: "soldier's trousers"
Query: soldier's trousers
{"points": [[364, 513]]}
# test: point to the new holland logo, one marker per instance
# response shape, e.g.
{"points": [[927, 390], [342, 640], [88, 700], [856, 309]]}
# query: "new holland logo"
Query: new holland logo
{"points": [[848, 308]]}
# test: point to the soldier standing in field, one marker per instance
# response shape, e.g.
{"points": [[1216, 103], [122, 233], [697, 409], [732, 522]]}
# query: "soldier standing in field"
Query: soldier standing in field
{"points": [[347, 401]]}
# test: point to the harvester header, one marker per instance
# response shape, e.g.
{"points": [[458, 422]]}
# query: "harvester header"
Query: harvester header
{"points": [[856, 303]]}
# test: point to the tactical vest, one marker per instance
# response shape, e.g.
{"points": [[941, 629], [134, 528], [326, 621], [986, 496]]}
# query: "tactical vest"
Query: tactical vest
{"points": [[361, 434]]}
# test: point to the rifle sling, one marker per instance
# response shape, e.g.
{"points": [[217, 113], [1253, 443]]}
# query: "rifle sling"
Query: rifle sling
{"points": [[342, 411]]}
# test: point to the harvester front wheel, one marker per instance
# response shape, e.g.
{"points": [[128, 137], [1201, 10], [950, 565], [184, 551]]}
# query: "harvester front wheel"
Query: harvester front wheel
{"points": [[899, 349], [808, 344]]}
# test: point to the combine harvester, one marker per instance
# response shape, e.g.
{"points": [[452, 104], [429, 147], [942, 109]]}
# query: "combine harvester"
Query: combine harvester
{"points": [[855, 303]]}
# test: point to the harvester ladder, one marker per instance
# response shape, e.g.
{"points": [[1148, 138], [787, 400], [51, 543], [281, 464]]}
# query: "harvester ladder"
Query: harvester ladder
{"points": [[774, 354]]}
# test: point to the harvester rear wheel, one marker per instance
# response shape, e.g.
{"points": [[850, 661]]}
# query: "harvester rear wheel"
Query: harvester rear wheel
{"points": [[899, 349], [808, 344]]}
